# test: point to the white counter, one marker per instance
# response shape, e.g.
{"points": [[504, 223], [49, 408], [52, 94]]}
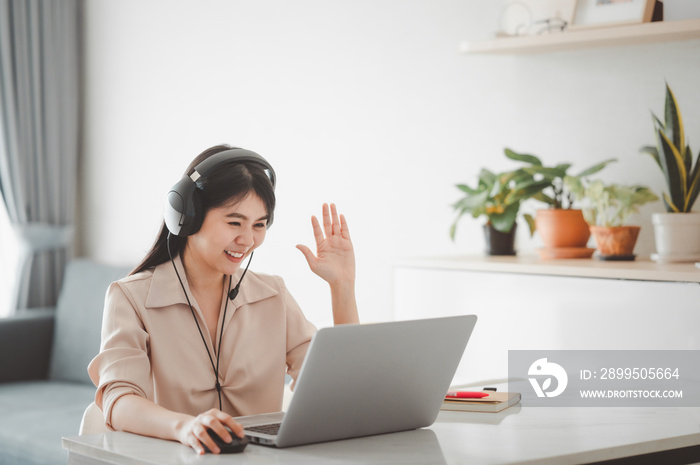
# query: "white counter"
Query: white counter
{"points": [[524, 303]]}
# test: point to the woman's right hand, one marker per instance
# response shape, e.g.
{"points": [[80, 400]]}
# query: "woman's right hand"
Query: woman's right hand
{"points": [[194, 433]]}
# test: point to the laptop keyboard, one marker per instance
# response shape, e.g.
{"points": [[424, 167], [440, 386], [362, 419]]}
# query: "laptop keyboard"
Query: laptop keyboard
{"points": [[272, 428]]}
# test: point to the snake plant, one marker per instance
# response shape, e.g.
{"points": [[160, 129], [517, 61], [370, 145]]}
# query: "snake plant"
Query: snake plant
{"points": [[673, 155]]}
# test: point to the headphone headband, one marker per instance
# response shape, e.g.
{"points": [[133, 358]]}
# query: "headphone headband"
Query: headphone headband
{"points": [[183, 215], [236, 154]]}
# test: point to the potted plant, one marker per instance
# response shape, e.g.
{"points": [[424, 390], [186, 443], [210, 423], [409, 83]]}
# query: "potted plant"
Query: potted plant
{"points": [[607, 210], [497, 197], [563, 229], [677, 232]]}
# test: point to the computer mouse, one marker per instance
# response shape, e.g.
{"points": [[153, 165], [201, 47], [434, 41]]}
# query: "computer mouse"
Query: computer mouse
{"points": [[236, 445]]}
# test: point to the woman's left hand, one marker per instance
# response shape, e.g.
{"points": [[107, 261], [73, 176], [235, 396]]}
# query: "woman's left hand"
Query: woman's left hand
{"points": [[335, 259]]}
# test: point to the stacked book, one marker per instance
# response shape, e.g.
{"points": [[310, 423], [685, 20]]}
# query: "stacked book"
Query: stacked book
{"points": [[479, 401]]}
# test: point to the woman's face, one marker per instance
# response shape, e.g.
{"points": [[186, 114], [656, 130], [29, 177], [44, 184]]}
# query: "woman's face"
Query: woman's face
{"points": [[228, 235]]}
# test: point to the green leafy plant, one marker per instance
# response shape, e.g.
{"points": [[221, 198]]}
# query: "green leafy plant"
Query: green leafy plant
{"points": [[674, 157], [497, 197], [611, 204], [560, 197]]}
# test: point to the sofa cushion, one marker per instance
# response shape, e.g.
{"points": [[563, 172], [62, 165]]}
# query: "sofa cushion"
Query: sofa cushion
{"points": [[35, 415], [25, 344], [78, 322]]}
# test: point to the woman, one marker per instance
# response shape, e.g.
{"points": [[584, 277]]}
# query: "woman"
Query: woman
{"points": [[184, 350]]}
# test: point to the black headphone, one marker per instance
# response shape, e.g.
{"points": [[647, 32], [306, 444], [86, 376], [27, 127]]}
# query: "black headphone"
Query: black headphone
{"points": [[183, 208]]}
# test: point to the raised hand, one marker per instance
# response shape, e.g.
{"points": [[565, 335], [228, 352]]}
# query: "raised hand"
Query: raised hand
{"points": [[334, 260]]}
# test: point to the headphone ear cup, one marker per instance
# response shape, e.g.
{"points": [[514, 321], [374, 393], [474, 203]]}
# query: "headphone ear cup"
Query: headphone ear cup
{"points": [[179, 207], [198, 213]]}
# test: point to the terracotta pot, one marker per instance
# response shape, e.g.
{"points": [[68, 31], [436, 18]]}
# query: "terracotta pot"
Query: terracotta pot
{"points": [[562, 228], [499, 243], [616, 241]]}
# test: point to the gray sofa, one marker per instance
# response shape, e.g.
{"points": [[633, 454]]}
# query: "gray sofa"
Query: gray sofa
{"points": [[44, 353]]}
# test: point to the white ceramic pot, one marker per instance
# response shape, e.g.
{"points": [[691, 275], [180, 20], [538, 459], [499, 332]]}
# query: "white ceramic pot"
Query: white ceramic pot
{"points": [[677, 236]]}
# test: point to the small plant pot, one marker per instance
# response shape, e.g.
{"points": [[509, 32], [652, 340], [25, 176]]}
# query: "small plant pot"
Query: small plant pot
{"points": [[499, 243], [562, 228], [677, 236], [615, 242]]}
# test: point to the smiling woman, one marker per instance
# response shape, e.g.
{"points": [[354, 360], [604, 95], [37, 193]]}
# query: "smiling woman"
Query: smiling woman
{"points": [[228, 235], [182, 351]]}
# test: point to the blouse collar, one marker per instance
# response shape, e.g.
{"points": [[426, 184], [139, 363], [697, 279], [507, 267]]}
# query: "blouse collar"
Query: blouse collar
{"points": [[165, 289]]}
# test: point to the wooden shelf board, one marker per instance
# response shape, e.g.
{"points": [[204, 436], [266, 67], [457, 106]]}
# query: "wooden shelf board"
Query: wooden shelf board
{"points": [[578, 38], [640, 269]]}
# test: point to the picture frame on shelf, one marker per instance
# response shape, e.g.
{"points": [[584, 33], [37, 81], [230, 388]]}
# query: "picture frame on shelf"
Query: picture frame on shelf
{"points": [[603, 13]]}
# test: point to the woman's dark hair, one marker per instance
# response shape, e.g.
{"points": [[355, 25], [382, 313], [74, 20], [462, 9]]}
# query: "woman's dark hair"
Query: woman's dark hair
{"points": [[228, 184]]}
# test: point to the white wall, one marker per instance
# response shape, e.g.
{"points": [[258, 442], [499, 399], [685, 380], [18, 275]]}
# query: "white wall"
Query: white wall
{"points": [[366, 103]]}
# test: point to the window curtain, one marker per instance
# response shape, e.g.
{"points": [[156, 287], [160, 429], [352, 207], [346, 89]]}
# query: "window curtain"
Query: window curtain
{"points": [[39, 133]]}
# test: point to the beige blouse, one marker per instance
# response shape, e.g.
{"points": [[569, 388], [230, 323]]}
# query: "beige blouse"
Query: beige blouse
{"points": [[151, 346]]}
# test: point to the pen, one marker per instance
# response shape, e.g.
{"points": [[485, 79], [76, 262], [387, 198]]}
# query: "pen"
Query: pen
{"points": [[466, 394]]}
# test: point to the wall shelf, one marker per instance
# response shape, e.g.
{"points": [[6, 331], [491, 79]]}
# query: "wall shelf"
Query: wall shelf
{"points": [[641, 270], [572, 39]]}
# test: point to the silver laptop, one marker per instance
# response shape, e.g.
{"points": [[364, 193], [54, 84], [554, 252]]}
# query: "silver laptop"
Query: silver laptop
{"points": [[361, 380]]}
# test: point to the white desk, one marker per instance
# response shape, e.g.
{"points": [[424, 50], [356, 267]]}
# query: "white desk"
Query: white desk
{"points": [[515, 436]]}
